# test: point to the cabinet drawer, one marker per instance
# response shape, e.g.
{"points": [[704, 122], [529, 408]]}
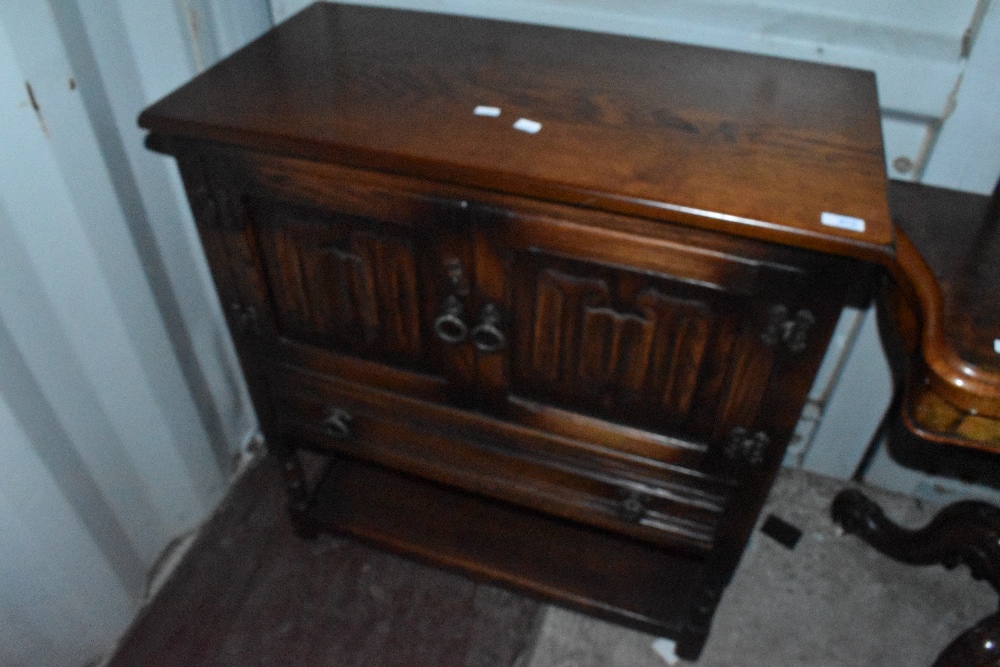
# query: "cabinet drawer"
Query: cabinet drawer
{"points": [[575, 480]]}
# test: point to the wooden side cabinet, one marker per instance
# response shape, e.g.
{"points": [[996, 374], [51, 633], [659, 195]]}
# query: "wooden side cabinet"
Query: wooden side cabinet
{"points": [[569, 362]]}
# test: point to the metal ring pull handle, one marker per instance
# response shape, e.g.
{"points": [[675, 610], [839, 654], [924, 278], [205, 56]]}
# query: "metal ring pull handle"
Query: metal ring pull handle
{"points": [[487, 337], [337, 422], [449, 325], [632, 506]]}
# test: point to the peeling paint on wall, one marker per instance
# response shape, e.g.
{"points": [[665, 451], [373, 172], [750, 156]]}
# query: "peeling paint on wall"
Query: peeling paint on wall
{"points": [[193, 22], [38, 109]]}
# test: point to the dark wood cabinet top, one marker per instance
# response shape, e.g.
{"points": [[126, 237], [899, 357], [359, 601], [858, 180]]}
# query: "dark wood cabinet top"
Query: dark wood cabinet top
{"points": [[755, 146]]}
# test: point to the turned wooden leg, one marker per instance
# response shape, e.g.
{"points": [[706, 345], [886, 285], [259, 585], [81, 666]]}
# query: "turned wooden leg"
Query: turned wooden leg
{"points": [[695, 633], [304, 524], [966, 533]]}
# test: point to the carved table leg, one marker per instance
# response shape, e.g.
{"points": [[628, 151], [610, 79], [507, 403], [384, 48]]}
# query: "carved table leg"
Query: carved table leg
{"points": [[966, 533]]}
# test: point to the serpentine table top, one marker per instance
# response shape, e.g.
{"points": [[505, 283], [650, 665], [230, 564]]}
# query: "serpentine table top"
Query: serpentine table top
{"points": [[946, 306]]}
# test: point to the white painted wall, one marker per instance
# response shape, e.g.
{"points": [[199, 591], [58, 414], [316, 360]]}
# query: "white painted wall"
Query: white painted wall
{"points": [[121, 407], [966, 154]]}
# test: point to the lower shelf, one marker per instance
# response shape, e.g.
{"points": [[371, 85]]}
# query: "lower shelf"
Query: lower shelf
{"points": [[620, 579]]}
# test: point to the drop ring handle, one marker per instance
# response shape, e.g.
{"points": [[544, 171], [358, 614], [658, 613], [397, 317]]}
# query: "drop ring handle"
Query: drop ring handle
{"points": [[449, 326], [486, 336]]}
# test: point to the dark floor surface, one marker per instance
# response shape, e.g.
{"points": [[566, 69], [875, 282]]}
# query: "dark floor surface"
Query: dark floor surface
{"points": [[249, 593]]}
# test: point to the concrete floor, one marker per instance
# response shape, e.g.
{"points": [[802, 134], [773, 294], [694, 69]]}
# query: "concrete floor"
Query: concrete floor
{"points": [[830, 602]]}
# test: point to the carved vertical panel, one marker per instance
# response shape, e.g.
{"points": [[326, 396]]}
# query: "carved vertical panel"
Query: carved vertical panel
{"points": [[550, 309], [215, 201], [218, 202], [680, 347], [749, 372], [593, 342], [370, 287], [559, 301], [614, 348], [339, 292], [393, 261], [354, 291]]}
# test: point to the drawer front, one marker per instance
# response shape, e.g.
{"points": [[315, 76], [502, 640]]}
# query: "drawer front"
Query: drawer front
{"points": [[580, 481]]}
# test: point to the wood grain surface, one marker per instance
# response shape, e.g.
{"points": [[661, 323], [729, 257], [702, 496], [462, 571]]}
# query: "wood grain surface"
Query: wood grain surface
{"points": [[567, 360], [946, 305], [751, 145], [251, 593]]}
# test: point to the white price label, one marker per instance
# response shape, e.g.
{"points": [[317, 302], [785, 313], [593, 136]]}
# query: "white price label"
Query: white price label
{"points": [[842, 221], [527, 125], [482, 110]]}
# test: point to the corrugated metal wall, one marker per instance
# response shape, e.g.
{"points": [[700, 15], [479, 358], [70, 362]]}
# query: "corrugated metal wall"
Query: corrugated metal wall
{"points": [[121, 410]]}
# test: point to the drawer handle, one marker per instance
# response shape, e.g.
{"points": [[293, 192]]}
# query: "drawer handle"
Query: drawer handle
{"points": [[449, 325], [487, 337], [337, 422], [632, 507]]}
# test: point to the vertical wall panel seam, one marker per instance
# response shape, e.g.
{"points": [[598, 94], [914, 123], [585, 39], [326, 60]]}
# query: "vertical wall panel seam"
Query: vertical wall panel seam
{"points": [[55, 449], [73, 33]]}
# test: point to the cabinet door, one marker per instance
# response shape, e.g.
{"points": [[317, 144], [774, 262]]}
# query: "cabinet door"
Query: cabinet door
{"points": [[349, 284], [641, 336], [357, 271]]}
